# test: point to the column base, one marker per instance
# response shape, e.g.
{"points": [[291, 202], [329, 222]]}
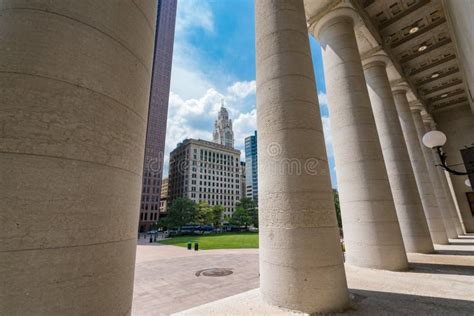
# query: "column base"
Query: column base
{"points": [[248, 303]]}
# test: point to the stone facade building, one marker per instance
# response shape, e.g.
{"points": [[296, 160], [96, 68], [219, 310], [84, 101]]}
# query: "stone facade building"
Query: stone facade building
{"points": [[164, 197], [157, 114], [205, 171], [223, 133]]}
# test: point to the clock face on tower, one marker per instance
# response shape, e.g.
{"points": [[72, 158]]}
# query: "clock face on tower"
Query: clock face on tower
{"points": [[223, 133]]}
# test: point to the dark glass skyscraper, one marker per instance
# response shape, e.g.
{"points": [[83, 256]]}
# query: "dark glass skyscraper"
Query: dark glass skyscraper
{"points": [[251, 167], [157, 113]]}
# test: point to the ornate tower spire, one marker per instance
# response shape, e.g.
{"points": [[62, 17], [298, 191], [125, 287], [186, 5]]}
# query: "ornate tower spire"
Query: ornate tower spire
{"points": [[223, 133]]}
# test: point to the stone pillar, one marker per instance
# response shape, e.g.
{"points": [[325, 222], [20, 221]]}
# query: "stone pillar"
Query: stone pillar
{"points": [[415, 232], [429, 126], [425, 188], [443, 205], [458, 125], [74, 89], [301, 264], [371, 231]]}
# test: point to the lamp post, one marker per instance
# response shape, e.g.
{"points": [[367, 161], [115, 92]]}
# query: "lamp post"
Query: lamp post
{"points": [[436, 140]]}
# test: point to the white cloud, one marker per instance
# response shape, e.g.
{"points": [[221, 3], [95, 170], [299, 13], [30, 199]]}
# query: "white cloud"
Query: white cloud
{"points": [[244, 125], [194, 14], [188, 80], [327, 135], [242, 89], [323, 103], [323, 99]]}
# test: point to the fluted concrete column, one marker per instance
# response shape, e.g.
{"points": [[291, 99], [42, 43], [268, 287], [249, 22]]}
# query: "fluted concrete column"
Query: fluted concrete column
{"points": [[415, 232], [425, 188], [430, 126], [371, 230], [443, 205], [301, 264], [458, 125], [74, 89]]}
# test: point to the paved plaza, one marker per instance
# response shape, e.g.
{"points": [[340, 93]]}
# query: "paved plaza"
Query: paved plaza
{"points": [[166, 282]]}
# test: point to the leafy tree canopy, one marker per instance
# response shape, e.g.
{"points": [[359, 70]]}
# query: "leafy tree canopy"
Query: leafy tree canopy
{"points": [[338, 208], [217, 212], [205, 214], [181, 212], [241, 217], [251, 207]]}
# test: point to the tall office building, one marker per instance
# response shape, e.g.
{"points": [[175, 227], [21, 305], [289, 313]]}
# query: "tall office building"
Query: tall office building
{"points": [[223, 133], [157, 114], [243, 181], [205, 171], [164, 197], [251, 167]]}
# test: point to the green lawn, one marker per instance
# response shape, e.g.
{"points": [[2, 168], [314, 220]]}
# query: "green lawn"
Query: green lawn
{"points": [[217, 241]]}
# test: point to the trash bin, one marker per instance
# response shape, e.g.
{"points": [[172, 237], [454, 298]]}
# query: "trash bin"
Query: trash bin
{"points": [[196, 246], [151, 239], [189, 245]]}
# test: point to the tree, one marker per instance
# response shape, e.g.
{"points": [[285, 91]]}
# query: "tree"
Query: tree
{"points": [[241, 217], [338, 208], [205, 214], [217, 212], [181, 212], [251, 207]]}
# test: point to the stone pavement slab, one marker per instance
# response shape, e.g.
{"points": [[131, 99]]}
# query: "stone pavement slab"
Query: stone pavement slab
{"points": [[166, 280], [166, 283]]}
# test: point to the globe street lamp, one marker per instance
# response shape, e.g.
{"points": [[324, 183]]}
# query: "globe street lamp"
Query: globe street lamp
{"points": [[436, 140]]}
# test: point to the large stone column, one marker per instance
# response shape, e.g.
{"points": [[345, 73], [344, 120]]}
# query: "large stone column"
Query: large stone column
{"points": [[458, 125], [425, 188], [371, 230], [74, 88], [415, 232], [443, 205], [301, 264], [430, 126]]}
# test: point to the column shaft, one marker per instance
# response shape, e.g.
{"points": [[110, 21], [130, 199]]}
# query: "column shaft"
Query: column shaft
{"points": [[443, 205], [425, 188], [74, 80], [301, 264], [458, 125], [415, 232], [445, 186], [371, 230]]}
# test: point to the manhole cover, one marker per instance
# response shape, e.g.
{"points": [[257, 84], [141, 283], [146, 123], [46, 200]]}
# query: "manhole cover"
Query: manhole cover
{"points": [[215, 272]]}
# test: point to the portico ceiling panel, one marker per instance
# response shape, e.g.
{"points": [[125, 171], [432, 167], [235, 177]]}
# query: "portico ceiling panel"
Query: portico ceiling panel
{"points": [[416, 36], [442, 90], [444, 83]]}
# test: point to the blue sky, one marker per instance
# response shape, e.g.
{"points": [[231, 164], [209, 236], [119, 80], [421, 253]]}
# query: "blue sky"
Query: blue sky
{"points": [[214, 59]]}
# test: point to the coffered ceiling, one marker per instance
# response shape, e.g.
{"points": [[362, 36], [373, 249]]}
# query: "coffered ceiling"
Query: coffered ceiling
{"points": [[416, 35]]}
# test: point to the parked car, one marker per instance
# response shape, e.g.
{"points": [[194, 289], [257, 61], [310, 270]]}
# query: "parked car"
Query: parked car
{"points": [[206, 228], [172, 232], [189, 229]]}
